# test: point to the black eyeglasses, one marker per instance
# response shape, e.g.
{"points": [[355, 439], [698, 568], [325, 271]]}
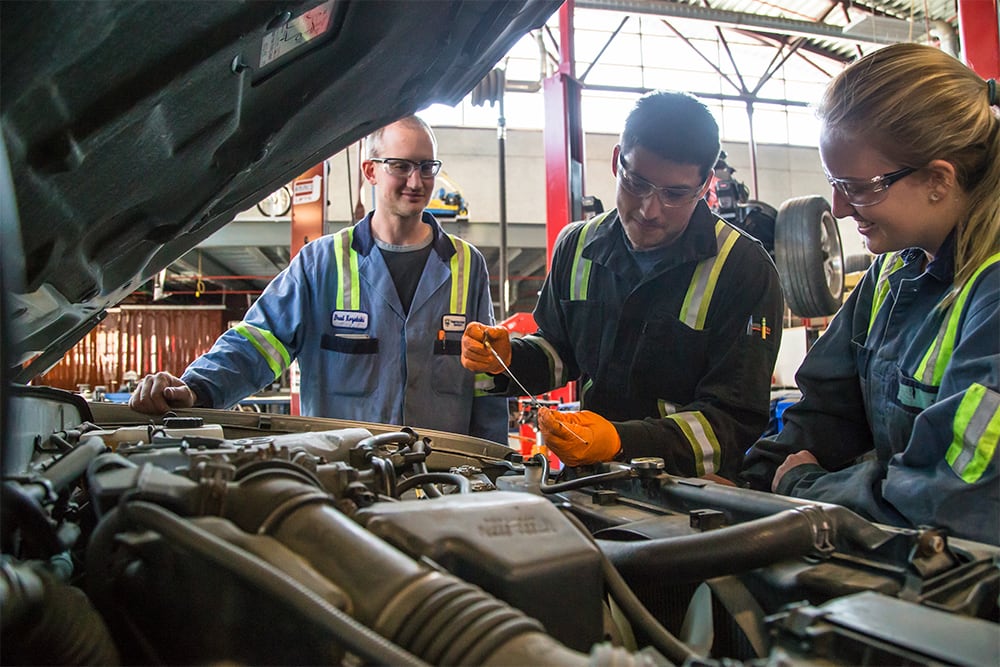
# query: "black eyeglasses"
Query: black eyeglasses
{"points": [[868, 191], [641, 188], [397, 166]]}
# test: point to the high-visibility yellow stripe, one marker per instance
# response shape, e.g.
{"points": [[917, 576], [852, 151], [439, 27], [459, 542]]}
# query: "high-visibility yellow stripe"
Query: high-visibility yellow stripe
{"points": [[694, 309], [270, 348], [579, 277], [348, 289], [932, 366], [665, 408], [975, 433], [483, 384], [704, 443], [461, 267], [557, 369], [890, 265]]}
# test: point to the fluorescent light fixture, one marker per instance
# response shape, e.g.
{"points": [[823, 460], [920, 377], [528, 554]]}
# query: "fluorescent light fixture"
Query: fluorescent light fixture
{"points": [[883, 28]]}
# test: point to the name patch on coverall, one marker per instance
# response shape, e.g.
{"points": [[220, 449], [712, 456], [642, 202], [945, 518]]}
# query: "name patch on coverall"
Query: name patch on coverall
{"points": [[349, 319], [453, 322]]}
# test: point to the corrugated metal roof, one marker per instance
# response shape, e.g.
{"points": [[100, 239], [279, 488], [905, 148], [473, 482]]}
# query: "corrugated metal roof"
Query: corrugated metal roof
{"points": [[830, 27]]}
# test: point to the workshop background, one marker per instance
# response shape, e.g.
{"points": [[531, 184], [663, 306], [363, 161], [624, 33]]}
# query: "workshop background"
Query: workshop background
{"points": [[529, 150]]}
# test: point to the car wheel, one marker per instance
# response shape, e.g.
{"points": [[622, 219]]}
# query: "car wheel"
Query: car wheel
{"points": [[809, 256], [854, 263], [276, 204]]}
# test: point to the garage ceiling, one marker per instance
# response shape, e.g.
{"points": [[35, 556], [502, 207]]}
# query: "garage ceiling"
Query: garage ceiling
{"points": [[837, 29]]}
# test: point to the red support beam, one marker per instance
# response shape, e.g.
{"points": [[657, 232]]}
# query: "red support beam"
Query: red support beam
{"points": [[562, 138], [979, 30], [308, 224], [308, 207]]}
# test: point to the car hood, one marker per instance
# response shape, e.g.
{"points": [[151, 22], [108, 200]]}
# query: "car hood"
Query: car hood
{"points": [[135, 130]]}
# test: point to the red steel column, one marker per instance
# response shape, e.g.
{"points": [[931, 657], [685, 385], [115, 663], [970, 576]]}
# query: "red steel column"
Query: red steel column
{"points": [[979, 30], [562, 138], [308, 224]]}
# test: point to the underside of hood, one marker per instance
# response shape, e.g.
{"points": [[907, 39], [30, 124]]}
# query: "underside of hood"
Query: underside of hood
{"points": [[135, 130]]}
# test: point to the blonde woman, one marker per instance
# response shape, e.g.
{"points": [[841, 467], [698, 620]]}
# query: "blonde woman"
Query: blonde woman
{"points": [[900, 414]]}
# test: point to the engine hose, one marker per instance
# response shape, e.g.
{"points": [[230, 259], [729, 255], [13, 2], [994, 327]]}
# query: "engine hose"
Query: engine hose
{"points": [[569, 485], [739, 548], [425, 479], [681, 494], [448, 621], [420, 468], [22, 509], [72, 465], [47, 622], [387, 474], [355, 636], [672, 648], [406, 437], [589, 480]]}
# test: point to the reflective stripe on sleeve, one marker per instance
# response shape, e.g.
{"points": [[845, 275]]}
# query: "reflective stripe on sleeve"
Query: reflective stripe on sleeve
{"points": [[461, 267], [484, 383], [348, 290], [557, 369], [694, 310], [270, 348], [975, 433], [707, 454]]}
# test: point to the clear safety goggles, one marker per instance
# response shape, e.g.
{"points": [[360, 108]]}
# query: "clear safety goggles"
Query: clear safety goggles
{"points": [[397, 166], [868, 191], [641, 188]]}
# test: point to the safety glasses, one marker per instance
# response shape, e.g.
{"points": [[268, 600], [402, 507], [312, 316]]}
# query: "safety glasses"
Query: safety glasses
{"points": [[397, 166], [641, 188], [868, 191]]}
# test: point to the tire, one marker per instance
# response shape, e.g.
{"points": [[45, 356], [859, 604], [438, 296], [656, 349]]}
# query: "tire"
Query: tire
{"points": [[276, 204], [809, 256], [853, 263]]}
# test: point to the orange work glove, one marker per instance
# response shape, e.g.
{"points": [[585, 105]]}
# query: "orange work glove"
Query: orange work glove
{"points": [[598, 439], [476, 356]]}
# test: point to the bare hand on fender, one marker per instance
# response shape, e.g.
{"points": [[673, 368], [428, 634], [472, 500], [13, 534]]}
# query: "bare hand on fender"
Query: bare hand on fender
{"points": [[476, 355], [579, 438], [159, 393]]}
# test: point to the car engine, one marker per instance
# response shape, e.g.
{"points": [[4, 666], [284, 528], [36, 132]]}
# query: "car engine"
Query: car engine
{"points": [[239, 538]]}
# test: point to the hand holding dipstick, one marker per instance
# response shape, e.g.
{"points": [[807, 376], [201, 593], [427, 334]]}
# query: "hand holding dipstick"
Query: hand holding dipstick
{"points": [[534, 401]]}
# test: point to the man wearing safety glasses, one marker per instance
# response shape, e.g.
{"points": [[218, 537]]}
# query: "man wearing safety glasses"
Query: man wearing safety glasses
{"points": [[374, 314], [667, 317]]}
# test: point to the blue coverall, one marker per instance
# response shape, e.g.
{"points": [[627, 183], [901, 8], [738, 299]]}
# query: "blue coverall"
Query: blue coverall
{"points": [[336, 309], [905, 433]]}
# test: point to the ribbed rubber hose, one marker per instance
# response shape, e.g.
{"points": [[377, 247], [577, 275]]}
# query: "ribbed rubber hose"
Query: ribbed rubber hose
{"points": [[355, 636]]}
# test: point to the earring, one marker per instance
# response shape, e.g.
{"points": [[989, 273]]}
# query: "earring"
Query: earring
{"points": [[935, 196]]}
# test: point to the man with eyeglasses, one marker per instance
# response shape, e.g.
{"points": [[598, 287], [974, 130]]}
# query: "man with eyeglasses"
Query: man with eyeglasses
{"points": [[668, 318], [374, 314]]}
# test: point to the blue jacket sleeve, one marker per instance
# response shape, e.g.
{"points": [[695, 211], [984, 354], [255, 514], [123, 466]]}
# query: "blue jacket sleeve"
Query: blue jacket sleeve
{"points": [[830, 421], [946, 476], [252, 355]]}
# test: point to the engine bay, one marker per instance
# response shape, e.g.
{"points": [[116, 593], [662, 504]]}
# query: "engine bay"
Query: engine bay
{"points": [[218, 536]]}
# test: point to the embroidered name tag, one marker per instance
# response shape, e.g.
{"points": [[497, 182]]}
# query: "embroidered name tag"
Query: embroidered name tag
{"points": [[349, 319], [453, 322]]}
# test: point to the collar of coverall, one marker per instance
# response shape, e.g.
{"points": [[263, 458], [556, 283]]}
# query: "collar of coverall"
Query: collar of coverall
{"points": [[364, 240], [607, 245]]}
